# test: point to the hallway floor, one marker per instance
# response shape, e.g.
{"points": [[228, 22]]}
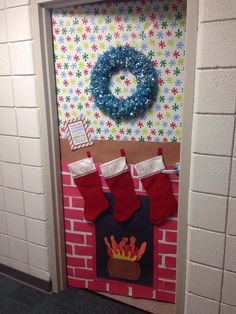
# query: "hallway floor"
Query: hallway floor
{"points": [[17, 298]]}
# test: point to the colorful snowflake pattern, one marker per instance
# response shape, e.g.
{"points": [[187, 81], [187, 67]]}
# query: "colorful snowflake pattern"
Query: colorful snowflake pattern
{"points": [[157, 29]]}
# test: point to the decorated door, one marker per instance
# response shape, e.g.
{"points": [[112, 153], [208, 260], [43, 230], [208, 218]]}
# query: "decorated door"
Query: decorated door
{"points": [[119, 79]]}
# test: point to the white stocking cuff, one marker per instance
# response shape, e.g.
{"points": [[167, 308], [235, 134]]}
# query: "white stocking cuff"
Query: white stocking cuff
{"points": [[149, 167], [82, 167], [113, 168]]}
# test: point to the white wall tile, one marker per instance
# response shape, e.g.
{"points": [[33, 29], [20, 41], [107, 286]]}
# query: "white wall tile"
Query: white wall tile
{"points": [[16, 226], [230, 254], [227, 309], [204, 281], [234, 152], [35, 206], [5, 260], [211, 10], [199, 305], [8, 121], [18, 23], [25, 91], [206, 247], [6, 99], [11, 174], [218, 128], [2, 4], [22, 60], [3, 222], [5, 67], [229, 288], [210, 174], [213, 91], [28, 122], [15, 3], [38, 256], [37, 231], [44, 275], [14, 201], [2, 205], [1, 180], [216, 44], [4, 245], [233, 179], [231, 225], [20, 266], [33, 179], [31, 151], [3, 27], [207, 211], [18, 250], [9, 149]]}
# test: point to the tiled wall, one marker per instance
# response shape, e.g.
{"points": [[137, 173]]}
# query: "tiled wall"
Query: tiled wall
{"points": [[211, 274], [23, 217]]}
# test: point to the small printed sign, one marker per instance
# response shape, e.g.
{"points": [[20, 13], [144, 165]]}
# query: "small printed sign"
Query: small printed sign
{"points": [[77, 132]]}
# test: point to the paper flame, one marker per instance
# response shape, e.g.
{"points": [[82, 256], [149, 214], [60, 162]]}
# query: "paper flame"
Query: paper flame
{"points": [[123, 250]]}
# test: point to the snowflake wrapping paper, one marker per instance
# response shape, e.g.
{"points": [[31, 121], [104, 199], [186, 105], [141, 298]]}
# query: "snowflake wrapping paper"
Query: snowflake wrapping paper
{"points": [[82, 33]]}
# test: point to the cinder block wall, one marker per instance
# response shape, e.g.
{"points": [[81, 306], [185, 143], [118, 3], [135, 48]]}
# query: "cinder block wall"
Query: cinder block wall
{"points": [[23, 214], [211, 274]]}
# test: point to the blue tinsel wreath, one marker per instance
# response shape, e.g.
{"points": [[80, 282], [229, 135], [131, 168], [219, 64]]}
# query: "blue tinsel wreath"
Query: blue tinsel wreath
{"points": [[123, 58]]}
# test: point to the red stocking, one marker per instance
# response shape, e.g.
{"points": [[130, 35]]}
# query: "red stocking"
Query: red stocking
{"points": [[88, 182], [118, 178], [158, 188]]}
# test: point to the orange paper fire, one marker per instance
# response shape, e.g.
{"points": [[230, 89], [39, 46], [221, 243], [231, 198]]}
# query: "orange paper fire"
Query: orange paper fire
{"points": [[123, 250]]}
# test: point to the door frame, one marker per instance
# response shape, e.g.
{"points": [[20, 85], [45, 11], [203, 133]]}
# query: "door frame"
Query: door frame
{"points": [[43, 54]]}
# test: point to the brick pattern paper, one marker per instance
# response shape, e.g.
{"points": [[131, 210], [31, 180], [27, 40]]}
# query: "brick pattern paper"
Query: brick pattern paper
{"points": [[81, 34], [81, 247]]}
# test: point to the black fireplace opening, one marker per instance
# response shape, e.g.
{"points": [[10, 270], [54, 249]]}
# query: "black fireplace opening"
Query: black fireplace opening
{"points": [[137, 226]]}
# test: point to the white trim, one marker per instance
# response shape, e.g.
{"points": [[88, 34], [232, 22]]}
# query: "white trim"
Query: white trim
{"points": [[114, 167], [82, 167], [149, 167], [46, 91], [185, 152], [44, 66]]}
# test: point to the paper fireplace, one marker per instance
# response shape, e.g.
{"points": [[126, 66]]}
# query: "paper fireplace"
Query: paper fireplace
{"points": [[152, 275]]}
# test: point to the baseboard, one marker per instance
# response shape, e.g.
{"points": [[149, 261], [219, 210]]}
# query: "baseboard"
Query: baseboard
{"points": [[26, 278]]}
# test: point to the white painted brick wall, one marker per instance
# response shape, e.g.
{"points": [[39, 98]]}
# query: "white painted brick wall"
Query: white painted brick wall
{"points": [[217, 44], [216, 10], [229, 288], [204, 127], [233, 179], [206, 247], [9, 149], [227, 309], [211, 276], [211, 174], [212, 88], [196, 305], [230, 254], [231, 227], [208, 211], [24, 89], [6, 98], [23, 212], [204, 281]]}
